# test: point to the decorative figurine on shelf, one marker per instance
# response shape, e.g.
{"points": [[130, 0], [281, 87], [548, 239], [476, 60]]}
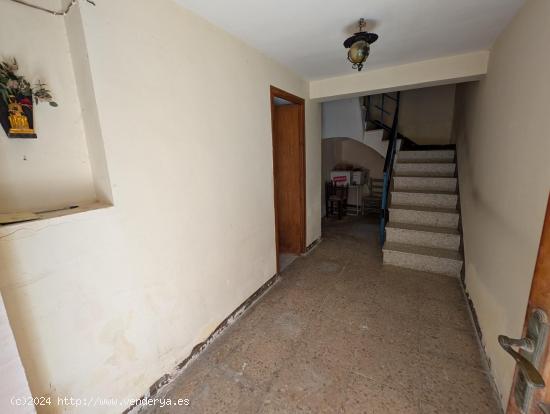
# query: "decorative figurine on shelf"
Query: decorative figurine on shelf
{"points": [[19, 122], [16, 101]]}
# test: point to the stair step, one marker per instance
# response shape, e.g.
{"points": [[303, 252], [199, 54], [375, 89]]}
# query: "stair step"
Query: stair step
{"points": [[425, 183], [438, 199], [447, 155], [427, 259], [430, 169], [428, 236], [424, 216], [425, 161]]}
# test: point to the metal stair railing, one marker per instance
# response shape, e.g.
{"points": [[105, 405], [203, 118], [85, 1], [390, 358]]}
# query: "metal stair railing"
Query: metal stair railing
{"points": [[388, 171]]}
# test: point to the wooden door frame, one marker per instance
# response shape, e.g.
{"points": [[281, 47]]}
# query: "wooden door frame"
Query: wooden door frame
{"points": [[275, 92], [540, 289]]}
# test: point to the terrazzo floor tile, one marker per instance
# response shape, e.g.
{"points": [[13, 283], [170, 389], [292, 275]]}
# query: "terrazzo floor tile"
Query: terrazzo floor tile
{"points": [[341, 333], [455, 388]]}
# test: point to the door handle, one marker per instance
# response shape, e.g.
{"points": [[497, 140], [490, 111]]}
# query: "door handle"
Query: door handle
{"points": [[531, 374]]}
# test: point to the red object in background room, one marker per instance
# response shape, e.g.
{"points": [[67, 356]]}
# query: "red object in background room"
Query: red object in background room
{"points": [[340, 178]]}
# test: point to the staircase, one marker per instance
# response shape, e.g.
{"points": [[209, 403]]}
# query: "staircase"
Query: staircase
{"points": [[378, 113], [422, 232]]}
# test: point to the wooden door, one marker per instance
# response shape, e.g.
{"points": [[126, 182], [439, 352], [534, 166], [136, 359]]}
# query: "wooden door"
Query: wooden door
{"points": [[288, 170], [539, 298]]}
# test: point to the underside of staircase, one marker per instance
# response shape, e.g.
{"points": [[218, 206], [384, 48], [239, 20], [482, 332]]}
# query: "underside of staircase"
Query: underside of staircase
{"points": [[422, 232]]}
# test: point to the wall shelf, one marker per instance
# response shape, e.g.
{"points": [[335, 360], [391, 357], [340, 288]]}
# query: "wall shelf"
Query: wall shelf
{"points": [[26, 218], [66, 165]]}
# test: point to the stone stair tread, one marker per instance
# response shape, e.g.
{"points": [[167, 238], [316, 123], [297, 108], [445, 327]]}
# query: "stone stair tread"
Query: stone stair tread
{"points": [[423, 161], [420, 175], [417, 227], [424, 208], [424, 251], [448, 151], [430, 174], [422, 191], [425, 183]]}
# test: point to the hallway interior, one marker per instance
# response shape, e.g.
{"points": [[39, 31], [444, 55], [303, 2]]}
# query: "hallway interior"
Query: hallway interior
{"points": [[340, 332], [162, 218]]}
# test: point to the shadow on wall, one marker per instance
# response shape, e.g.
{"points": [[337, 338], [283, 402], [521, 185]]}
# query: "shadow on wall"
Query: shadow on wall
{"points": [[426, 114], [349, 151]]}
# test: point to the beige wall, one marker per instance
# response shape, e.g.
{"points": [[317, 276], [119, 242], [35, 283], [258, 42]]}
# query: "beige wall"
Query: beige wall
{"points": [[349, 151], [433, 72], [13, 383], [504, 172], [104, 303], [54, 170], [361, 155], [426, 114]]}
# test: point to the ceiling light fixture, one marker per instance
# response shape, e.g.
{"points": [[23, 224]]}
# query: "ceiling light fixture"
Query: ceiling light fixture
{"points": [[358, 46]]}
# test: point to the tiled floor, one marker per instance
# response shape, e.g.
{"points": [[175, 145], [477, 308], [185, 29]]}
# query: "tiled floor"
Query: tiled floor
{"points": [[340, 333]]}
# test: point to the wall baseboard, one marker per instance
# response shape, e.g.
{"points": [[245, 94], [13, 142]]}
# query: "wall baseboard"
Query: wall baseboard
{"points": [[479, 334], [313, 245], [166, 379]]}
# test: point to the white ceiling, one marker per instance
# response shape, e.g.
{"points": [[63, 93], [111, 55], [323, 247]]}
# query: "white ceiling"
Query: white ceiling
{"points": [[307, 35]]}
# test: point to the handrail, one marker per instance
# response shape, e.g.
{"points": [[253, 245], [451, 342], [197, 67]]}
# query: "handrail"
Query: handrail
{"points": [[388, 170]]}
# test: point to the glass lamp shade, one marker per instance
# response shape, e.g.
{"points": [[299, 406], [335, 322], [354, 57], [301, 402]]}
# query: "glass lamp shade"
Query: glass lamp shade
{"points": [[358, 52]]}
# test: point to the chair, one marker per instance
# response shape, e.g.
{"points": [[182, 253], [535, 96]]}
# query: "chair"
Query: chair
{"points": [[336, 199], [373, 202]]}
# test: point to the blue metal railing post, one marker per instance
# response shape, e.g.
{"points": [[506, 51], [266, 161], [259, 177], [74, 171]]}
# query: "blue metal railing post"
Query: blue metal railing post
{"points": [[388, 169], [383, 209]]}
